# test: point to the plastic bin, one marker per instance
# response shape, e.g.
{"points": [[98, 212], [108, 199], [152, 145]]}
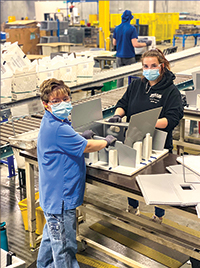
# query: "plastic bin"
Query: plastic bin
{"points": [[48, 39], [30, 108], [68, 74], [27, 140], [49, 25], [3, 236], [40, 219], [3, 36], [6, 86], [24, 84], [45, 72], [64, 25], [64, 39], [84, 70], [109, 85]]}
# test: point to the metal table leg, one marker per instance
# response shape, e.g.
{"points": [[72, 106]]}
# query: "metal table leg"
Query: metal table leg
{"points": [[31, 202]]}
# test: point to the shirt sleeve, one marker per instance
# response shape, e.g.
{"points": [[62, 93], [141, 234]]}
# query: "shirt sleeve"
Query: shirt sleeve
{"points": [[70, 142], [134, 34], [173, 110]]}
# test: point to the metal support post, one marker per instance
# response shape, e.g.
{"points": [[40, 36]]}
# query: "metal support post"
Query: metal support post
{"points": [[31, 203], [104, 20], [11, 166], [138, 26], [58, 30]]}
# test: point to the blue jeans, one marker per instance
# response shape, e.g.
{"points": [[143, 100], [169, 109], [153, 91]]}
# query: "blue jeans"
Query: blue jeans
{"points": [[58, 246], [159, 212]]}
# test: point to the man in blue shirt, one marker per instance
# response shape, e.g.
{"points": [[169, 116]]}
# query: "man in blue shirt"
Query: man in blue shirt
{"points": [[62, 171], [125, 39]]}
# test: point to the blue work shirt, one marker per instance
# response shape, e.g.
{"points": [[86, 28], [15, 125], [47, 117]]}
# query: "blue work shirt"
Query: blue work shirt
{"points": [[62, 168], [123, 34]]}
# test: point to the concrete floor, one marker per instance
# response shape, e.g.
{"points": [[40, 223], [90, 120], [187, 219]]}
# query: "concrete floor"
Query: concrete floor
{"points": [[11, 195]]}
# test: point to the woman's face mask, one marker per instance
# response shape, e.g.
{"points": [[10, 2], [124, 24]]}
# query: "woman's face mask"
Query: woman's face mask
{"points": [[61, 110], [151, 68], [59, 105], [151, 74]]}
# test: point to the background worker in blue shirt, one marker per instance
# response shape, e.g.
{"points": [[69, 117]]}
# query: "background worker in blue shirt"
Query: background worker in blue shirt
{"points": [[62, 171], [125, 39]]}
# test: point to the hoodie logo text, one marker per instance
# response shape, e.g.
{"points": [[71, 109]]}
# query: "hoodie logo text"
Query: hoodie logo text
{"points": [[155, 97]]}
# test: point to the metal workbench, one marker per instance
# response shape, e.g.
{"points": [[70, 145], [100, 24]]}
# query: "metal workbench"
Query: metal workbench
{"points": [[184, 37], [120, 184]]}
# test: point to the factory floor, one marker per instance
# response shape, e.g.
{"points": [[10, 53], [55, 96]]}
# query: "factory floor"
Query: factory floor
{"points": [[18, 239]]}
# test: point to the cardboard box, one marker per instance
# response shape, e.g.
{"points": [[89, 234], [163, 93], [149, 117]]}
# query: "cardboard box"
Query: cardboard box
{"points": [[26, 34], [47, 33], [21, 23]]}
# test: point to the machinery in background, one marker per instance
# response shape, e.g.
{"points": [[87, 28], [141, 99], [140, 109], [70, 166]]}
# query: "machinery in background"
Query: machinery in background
{"points": [[193, 96]]}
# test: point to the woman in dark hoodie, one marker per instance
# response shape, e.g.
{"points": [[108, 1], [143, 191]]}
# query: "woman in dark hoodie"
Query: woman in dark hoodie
{"points": [[155, 89]]}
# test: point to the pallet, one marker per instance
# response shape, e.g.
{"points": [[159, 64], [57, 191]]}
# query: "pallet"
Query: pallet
{"points": [[90, 45]]}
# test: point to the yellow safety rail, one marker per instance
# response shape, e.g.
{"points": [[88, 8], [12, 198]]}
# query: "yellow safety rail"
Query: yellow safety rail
{"points": [[190, 22], [104, 29]]}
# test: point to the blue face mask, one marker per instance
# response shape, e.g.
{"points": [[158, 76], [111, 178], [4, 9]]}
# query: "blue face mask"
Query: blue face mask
{"points": [[62, 110], [151, 74]]}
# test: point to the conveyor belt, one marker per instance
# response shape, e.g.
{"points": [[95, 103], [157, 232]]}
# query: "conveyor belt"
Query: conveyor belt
{"points": [[28, 123], [18, 126], [133, 69]]}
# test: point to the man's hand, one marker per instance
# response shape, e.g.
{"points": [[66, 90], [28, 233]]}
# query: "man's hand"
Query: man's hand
{"points": [[110, 140], [88, 134], [148, 43], [115, 119]]}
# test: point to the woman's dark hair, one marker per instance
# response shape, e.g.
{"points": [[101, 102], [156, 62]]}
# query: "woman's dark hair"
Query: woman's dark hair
{"points": [[53, 85], [155, 52]]}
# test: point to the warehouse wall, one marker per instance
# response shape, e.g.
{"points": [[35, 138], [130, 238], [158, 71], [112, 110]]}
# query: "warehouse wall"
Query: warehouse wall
{"points": [[160, 6], [18, 9], [24, 8], [85, 9], [178, 6], [27, 8], [117, 7]]}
